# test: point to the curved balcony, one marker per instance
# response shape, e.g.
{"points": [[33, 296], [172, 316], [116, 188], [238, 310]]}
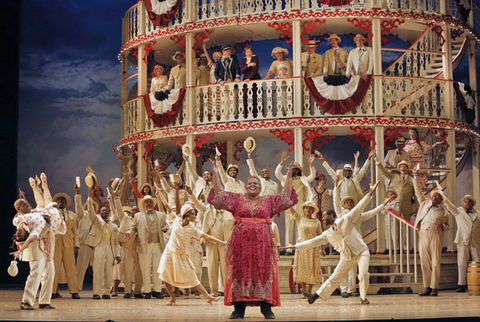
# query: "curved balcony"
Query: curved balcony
{"points": [[264, 105], [194, 15]]}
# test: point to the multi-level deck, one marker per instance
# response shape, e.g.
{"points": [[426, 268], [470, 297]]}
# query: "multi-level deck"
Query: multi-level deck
{"points": [[415, 90]]}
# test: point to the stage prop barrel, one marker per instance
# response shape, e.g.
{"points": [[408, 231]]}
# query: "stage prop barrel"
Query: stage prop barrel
{"points": [[473, 278]]}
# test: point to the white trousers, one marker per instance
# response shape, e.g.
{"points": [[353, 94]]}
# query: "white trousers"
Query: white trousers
{"points": [[131, 270], [349, 282], [215, 265], [430, 244], [84, 258], [463, 256], [103, 263], [342, 269], [149, 262], [41, 271]]}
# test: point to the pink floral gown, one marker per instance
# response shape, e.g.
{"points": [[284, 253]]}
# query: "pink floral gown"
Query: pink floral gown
{"points": [[416, 150], [251, 252]]}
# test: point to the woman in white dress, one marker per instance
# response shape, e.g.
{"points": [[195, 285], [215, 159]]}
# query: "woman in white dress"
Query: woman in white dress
{"points": [[176, 267]]}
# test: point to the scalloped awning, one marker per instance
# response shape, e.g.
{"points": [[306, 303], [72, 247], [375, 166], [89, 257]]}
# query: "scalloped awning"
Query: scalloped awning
{"points": [[162, 12]]}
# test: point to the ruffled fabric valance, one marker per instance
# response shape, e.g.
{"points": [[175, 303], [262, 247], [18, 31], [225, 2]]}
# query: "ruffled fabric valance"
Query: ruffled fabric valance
{"points": [[162, 107], [338, 99], [162, 12]]}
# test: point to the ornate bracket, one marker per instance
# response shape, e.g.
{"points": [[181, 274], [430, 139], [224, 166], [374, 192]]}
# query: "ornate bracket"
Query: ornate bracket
{"points": [[316, 137], [179, 40], [200, 140], [363, 136], [391, 133], [149, 145], [285, 28], [455, 33], [286, 136], [134, 52], [460, 136], [240, 46], [200, 37], [386, 28], [308, 27], [320, 38], [364, 24], [179, 140], [438, 30], [238, 149], [148, 49]]}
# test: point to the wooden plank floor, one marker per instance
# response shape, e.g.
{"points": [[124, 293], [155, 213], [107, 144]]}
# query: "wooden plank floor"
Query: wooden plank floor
{"points": [[403, 306]]}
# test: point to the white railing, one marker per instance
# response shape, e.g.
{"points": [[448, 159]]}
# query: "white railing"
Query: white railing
{"points": [[400, 234], [476, 17], [414, 97], [130, 116]]}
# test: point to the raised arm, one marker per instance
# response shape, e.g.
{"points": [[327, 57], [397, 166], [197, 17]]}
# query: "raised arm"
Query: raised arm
{"points": [[190, 170], [325, 164], [78, 203], [288, 187], [364, 169], [278, 169], [387, 174], [217, 185], [200, 207], [221, 170], [417, 186], [161, 198], [311, 176], [251, 165], [356, 212], [90, 207], [451, 207]]}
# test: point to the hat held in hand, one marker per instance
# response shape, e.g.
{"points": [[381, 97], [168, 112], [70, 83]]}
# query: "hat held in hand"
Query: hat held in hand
{"points": [[90, 179]]}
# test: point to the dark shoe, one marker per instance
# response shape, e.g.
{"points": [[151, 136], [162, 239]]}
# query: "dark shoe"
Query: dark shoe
{"points": [[385, 252], [56, 296], [158, 295], [311, 298], [106, 296], [365, 301], [269, 315], [138, 296], [354, 294], [26, 306], [75, 296], [46, 306], [96, 296], [220, 293], [114, 294], [237, 315], [345, 295], [434, 292], [427, 292], [148, 295], [461, 289], [335, 253], [126, 296]]}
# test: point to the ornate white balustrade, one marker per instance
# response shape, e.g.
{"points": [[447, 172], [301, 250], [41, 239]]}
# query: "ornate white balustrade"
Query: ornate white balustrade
{"points": [[270, 99], [136, 21]]}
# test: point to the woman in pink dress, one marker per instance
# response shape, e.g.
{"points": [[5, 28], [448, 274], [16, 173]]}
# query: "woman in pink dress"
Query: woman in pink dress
{"points": [[417, 148], [251, 252]]}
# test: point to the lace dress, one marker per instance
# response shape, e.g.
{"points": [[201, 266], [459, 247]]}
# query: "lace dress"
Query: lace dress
{"points": [[306, 264], [416, 155], [176, 267], [251, 252]]}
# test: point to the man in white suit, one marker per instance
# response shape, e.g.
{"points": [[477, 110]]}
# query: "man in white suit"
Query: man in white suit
{"points": [[178, 73], [468, 236], [342, 235], [302, 186], [201, 186], [150, 226], [85, 252], [106, 250], [360, 59], [269, 187]]}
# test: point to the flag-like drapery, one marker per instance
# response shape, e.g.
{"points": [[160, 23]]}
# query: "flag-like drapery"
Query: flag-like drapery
{"points": [[338, 99], [162, 107], [161, 12]]}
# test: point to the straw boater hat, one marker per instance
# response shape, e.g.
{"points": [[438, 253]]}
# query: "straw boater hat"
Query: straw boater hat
{"points": [[347, 167], [176, 54], [392, 191], [64, 195], [310, 204], [187, 150], [158, 67], [311, 43], [469, 197], [231, 165], [298, 166], [279, 50], [335, 36], [203, 56], [142, 202], [403, 162], [186, 208], [115, 183], [90, 179], [348, 198], [400, 140], [249, 144], [359, 36]]}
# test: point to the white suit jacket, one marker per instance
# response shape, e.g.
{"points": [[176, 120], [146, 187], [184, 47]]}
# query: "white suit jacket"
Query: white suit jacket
{"points": [[464, 222], [231, 184], [306, 181], [140, 226], [253, 172], [199, 185], [344, 182], [355, 66]]}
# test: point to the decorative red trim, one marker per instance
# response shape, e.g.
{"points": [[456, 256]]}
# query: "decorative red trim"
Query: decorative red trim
{"points": [[179, 140], [386, 28], [308, 26], [148, 147], [460, 136], [286, 136], [148, 48], [335, 2], [166, 118], [200, 37], [200, 140], [240, 46], [364, 24], [391, 133], [402, 219], [179, 40], [455, 33], [320, 38], [285, 28], [161, 20], [134, 52], [438, 30], [238, 149], [316, 138], [294, 15], [368, 121], [364, 136]]}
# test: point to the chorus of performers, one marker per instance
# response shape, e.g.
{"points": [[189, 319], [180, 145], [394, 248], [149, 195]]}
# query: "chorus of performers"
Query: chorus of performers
{"points": [[154, 236]]}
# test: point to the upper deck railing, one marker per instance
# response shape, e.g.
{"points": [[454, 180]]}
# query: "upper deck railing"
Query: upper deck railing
{"points": [[137, 23]]}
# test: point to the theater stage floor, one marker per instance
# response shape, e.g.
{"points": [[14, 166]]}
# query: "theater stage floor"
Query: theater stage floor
{"points": [[404, 306]]}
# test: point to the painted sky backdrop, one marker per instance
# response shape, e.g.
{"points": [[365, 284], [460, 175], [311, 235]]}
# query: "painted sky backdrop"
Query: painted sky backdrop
{"points": [[69, 101]]}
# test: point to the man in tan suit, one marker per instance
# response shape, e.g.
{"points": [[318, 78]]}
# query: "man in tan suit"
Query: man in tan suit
{"points": [[85, 252], [106, 250], [150, 226], [178, 74], [432, 221], [311, 61], [66, 247], [335, 63], [393, 157]]}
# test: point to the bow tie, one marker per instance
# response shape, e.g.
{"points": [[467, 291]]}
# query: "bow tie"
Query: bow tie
{"points": [[435, 206], [150, 212], [227, 60], [469, 211], [362, 49], [399, 153]]}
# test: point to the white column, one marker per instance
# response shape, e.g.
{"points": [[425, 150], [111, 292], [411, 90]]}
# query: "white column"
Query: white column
{"points": [[472, 68], [123, 92], [193, 159], [476, 168], [141, 23], [297, 69], [142, 90], [298, 147], [190, 80], [379, 193], [451, 186], [230, 151]]}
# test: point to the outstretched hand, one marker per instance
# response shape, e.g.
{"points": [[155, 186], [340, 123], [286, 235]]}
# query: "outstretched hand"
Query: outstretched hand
{"points": [[388, 200], [373, 187], [284, 158]]}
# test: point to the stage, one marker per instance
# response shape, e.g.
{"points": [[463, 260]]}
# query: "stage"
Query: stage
{"points": [[383, 307]]}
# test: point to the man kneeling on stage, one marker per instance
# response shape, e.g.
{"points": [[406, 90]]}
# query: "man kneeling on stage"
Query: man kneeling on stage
{"points": [[349, 243]]}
